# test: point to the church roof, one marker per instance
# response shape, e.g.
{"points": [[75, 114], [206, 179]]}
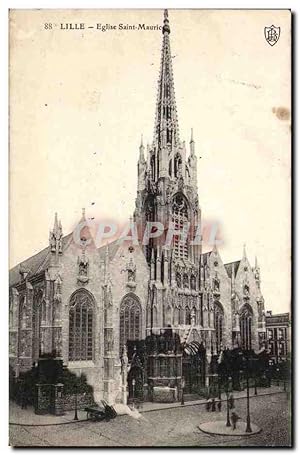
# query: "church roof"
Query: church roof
{"points": [[235, 265], [34, 264], [112, 249]]}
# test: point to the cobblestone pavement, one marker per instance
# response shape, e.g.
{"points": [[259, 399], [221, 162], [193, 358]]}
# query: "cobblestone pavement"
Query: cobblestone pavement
{"points": [[172, 427]]}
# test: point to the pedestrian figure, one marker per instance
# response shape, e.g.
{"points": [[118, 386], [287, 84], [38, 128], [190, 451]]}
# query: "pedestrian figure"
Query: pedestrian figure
{"points": [[213, 405], [23, 396], [234, 419], [208, 404], [219, 405], [231, 402]]}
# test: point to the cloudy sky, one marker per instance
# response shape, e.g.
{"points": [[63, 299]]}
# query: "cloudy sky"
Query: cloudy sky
{"points": [[80, 100]]}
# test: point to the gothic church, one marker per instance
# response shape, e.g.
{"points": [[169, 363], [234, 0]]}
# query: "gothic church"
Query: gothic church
{"points": [[85, 303]]}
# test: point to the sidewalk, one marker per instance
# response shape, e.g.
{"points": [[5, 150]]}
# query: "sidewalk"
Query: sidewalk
{"points": [[218, 427], [149, 406], [27, 417]]}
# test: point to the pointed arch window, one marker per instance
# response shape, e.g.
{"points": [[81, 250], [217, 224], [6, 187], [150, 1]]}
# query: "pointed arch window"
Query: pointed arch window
{"points": [[81, 326], [169, 315], [188, 318], [152, 165], [181, 316], [37, 317], [195, 313], [149, 209], [176, 316], [180, 221], [219, 324], [193, 282], [170, 168], [246, 316], [155, 317], [177, 165], [130, 320]]}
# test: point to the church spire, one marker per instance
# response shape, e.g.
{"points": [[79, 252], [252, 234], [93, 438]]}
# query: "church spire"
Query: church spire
{"points": [[166, 130], [142, 148]]}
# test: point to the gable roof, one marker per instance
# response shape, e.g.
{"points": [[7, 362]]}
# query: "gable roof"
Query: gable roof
{"points": [[229, 265], [112, 249], [34, 264]]}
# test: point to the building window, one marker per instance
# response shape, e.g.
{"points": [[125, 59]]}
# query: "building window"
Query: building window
{"points": [[181, 316], [177, 165], [219, 324], [169, 315], [185, 281], [193, 282], [81, 320], [180, 221], [131, 320], [36, 322], [195, 313], [176, 316], [246, 327], [188, 316], [152, 165], [149, 209]]}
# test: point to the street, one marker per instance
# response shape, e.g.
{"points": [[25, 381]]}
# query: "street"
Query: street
{"points": [[172, 427]]}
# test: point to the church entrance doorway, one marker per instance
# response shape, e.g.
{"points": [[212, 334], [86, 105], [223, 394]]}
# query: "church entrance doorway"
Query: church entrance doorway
{"points": [[135, 381], [193, 367]]}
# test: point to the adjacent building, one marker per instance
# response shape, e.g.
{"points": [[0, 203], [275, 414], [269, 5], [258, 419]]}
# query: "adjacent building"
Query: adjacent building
{"points": [[278, 328]]}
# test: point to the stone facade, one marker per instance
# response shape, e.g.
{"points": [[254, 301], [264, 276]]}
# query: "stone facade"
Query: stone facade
{"points": [[278, 327], [84, 302]]}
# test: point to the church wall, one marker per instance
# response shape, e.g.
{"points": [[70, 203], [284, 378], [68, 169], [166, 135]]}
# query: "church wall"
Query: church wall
{"points": [[225, 294], [121, 286], [241, 277], [93, 369]]}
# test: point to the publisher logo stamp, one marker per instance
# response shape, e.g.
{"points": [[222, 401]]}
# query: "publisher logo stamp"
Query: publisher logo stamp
{"points": [[272, 34]]}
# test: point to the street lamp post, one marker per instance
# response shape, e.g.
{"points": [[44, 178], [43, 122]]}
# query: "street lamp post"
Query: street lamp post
{"points": [[133, 386], [228, 424], [248, 428], [75, 414], [182, 390]]}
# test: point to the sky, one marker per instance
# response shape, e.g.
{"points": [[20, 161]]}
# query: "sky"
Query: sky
{"points": [[80, 100]]}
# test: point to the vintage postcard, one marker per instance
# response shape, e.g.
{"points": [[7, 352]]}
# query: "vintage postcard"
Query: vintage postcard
{"points": [[150, 228]]}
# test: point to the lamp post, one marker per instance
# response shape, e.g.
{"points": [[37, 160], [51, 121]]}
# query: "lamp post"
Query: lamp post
{"points": [[133, 386], [75, 414], [248, 427], [182, 390], [228, 424], [255, 386]]}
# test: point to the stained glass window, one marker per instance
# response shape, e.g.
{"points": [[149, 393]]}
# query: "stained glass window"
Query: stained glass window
{"points": [[246, 327], [219, 323], [130, 320], [81, 326]]}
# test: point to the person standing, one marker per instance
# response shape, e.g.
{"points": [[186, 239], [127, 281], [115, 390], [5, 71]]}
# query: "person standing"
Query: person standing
{"points": [[208, 404], [213, 405], [234, 419]]}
